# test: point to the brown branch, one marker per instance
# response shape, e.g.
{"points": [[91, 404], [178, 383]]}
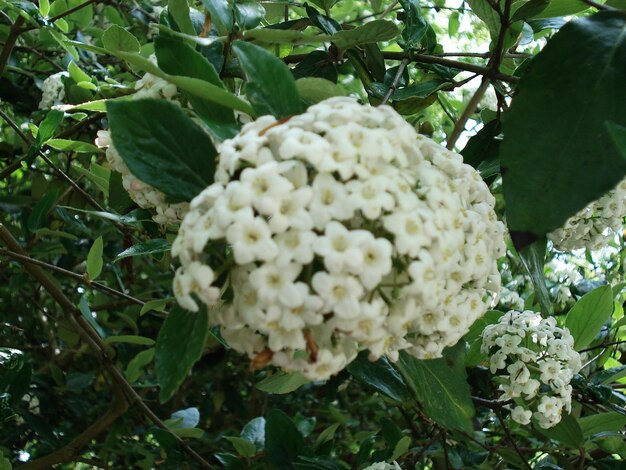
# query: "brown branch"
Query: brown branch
{"points": [[103, 351], [498, 413], [79, 277], [14, 33], [396, 79], [71, 451]]}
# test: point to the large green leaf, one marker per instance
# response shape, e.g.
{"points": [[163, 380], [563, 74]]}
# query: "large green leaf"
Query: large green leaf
{"points": [[566, 431], [588, 315], [533, 258], [283, 441], [557, 154], [440, 385], [602, 422], [179, 345], [116, 39], [270, 86], [179, 9], [162, 146], [178, 58], [94, 259], [562, 8]]}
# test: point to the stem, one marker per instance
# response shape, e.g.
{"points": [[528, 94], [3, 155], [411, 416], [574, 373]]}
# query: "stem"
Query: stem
{"points": [[396, 79], [61, 15], [14, 33]]}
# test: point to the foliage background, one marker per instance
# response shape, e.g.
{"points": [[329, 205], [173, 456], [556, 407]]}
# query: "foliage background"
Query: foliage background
{"points": [[86, 275]]}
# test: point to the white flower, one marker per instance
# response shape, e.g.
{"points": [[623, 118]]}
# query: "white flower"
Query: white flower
{"points": [[274, 283], [521, 415], [267, 187], [251, 239], [330, 201], [340, 293], [295, 245], [339, 248], [52, 90]]}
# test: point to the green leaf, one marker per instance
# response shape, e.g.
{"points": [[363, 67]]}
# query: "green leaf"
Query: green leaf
{"points": [[529, 10], [87, 314], [453, 24], [44, 7], [130, 339], [77, 74], [557, 154], [39, 214], [137, 363], [49, 125], [94, 259], [440, 385], [221, 14], [248, 15], [158, 305], [609, 375], [270, 86], [602, 422], [117, 39], [179, 9], [533, 259], [98, 174], [381, 375], [176, 57], [194, 433], [562, 8], [567, 431], [156, 245], [77, 146], [415, 25], [243, 447], [5, 464], [327, 434], [401, 448], [313, 90], [284, 36], [283, 441], [419, 90], [374, 31], [179, 345], [282, 382], [162, 146], [588, 315]]}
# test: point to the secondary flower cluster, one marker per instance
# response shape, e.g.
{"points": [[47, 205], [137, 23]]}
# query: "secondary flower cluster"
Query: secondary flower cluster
{"points": [[52, 90], [147, 197], [595, 224], [336, 231], [535, 361]]}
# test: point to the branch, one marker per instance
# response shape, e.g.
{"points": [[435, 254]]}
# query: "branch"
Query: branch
{"points": [[78, 277], [14, 33], [512, 440], [396, 79], [71, 451], [61, 15], [491, 73], [104, 352]]}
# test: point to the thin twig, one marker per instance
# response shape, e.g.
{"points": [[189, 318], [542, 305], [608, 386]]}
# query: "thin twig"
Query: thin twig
{"points": [[79, 277], [512, 439], [396, 79], [599, 6], [61, 15]]}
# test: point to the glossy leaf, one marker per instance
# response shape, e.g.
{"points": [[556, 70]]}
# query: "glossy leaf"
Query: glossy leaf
{"points": [[603, 422], [567, 431], [572, 88], [254, 431], [156, 245], [588, 315], [179, 9], [533, 260], [162, 146], [77, 146], [374, 31], [313, 90], [380, 375], [179, 345], [130, 339], [270, 86]]}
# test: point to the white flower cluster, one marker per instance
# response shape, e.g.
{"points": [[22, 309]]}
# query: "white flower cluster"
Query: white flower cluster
{"points": [[535, 361], [595, 224], [336, 231], [52, 90], [147, 197], [511, 299]]}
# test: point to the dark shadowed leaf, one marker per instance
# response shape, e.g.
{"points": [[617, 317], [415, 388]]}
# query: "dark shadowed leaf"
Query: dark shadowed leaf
{"points": [[162, 146], [380, 375], [572, 87], [179, 345], [270, 86], [283, 441]]}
